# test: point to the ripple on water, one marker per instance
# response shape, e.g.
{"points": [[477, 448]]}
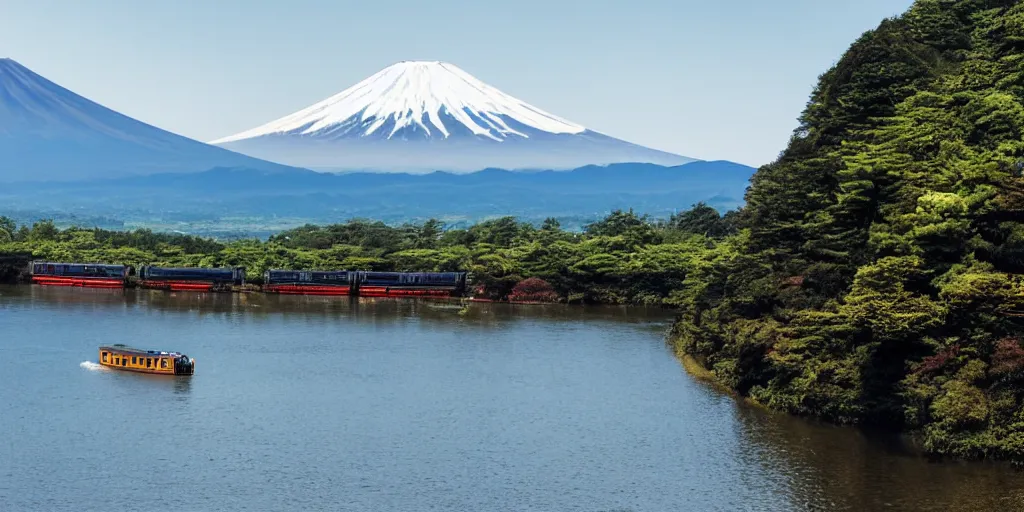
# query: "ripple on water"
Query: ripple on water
{"points": [[91, 366]]}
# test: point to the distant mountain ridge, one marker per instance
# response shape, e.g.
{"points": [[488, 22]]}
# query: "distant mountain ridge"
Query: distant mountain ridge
{"points": [[610, 178], [270, 200], [421, 116], [48, 133]]}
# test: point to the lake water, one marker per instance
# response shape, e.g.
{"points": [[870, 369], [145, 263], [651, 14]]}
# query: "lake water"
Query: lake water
{"points": [[330, 404]]}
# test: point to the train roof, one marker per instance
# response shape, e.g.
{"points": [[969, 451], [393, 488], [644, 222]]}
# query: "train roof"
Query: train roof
{"points": [[298, 270], [193, 268], [124, 349], [364, 271], [200, 270], [44, 262], [390, 272]]}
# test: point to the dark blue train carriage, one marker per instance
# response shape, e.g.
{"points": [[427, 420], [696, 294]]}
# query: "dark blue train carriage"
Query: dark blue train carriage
{"points": [[309, 282], [87, 275], [399, 284], [191, 279]]}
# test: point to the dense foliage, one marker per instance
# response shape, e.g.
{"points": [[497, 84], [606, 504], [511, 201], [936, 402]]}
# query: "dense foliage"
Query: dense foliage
{"points": [[623, 259], [878, 275]]}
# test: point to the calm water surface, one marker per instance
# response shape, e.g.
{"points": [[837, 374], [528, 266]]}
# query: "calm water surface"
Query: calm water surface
{"points": [[326, 404]]}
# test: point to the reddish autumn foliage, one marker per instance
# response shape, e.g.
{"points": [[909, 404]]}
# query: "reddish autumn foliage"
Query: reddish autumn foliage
{"points": [[794, 281], [1008, 358], [533, 290], [938, 361]]}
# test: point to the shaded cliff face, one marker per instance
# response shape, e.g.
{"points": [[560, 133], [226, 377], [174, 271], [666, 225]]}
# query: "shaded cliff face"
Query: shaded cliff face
{"points": [[880, 278], [50, 133]]}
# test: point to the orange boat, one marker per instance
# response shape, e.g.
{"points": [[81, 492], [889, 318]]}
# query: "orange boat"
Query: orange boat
{"points": [[121, 357]]}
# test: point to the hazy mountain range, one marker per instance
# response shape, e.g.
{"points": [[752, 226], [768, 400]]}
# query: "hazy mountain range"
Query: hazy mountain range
{"points": [[409, 117], [231, 201], [64, 156]]}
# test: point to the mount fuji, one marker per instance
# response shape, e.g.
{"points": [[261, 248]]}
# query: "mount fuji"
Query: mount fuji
{"points": [[421, 116], [48, 133]]}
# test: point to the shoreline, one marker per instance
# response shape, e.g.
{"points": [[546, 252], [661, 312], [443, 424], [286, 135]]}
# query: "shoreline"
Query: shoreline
{"points": [[250, 289], [910, 443]]}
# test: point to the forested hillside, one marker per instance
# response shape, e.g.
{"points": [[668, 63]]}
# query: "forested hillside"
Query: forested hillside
{"points": [[878, 276]]}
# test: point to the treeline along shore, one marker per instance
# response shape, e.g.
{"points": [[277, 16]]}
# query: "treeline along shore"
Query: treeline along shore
{"points": [[624, 258]]}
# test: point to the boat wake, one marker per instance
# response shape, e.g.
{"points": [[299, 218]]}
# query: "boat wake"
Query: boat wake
{"points": [[91, 366]]}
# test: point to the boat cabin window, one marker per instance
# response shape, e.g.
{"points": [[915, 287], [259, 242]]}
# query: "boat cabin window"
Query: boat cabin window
{"points": [[104, 357], [163, 363], [124, 361], [135, 360]]}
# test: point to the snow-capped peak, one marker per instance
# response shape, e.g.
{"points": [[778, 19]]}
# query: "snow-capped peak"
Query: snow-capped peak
{"points": [[415, 94]]}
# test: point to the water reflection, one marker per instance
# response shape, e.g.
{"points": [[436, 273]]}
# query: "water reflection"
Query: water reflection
{"points": [[826, 467], [153, 385], [259, 307], [182, 386]]}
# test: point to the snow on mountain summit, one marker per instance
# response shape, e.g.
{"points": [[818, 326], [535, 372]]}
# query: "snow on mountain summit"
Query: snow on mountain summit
{"points": [[416, 93], [431, 115]]}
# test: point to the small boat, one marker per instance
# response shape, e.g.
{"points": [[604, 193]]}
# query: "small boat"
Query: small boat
{"points": [[121, 357]]}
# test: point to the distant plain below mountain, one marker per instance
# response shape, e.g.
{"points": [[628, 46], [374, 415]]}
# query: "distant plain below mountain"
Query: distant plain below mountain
{"points": [[255, 203]]}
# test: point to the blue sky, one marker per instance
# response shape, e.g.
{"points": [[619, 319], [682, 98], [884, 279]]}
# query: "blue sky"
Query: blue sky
{"points": [[721, 79]]}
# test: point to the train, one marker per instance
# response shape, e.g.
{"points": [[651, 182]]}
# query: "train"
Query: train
{"points": [[185, 278], [86, 275], [410, 284], [308, 282], [360, 283], [365, 283]]}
